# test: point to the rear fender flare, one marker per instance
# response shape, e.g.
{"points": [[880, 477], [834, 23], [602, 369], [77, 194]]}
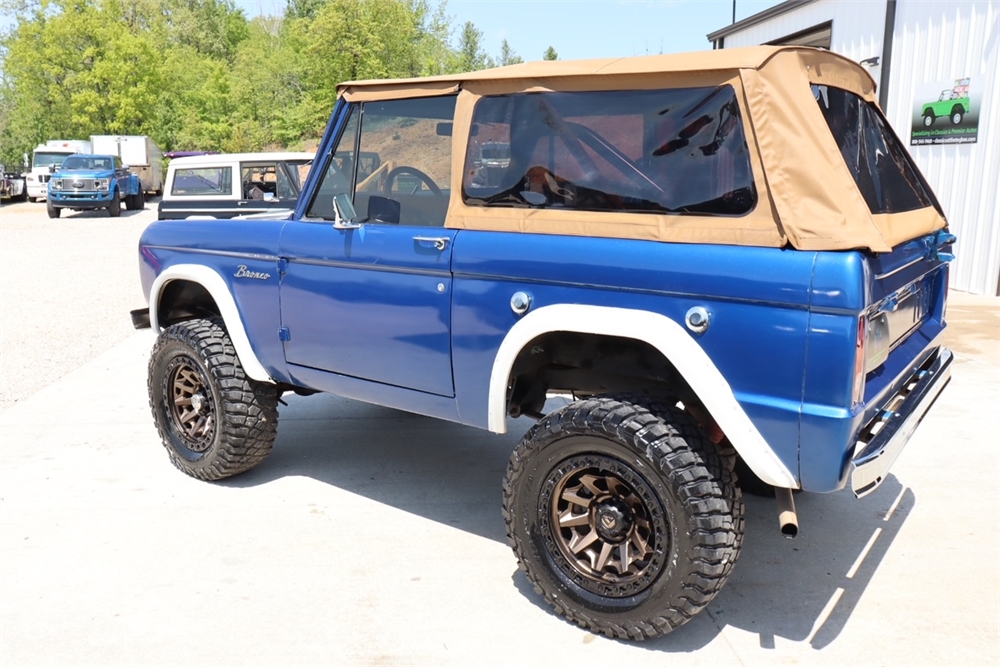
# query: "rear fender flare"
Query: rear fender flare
{"points": [[217, 287], [673, 341]]}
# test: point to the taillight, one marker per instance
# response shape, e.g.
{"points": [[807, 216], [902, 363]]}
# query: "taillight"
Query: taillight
{"points": [[859, 361]]}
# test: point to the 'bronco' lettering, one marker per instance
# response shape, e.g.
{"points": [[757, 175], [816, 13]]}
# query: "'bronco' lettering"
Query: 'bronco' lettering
{"points": [[243, 272]]}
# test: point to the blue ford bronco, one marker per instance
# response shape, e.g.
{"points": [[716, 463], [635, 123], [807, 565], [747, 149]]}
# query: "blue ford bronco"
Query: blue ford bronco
{"points": [[87, 182], [727, 263]]}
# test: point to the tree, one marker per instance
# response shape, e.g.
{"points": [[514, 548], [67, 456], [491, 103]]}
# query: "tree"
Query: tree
{"points": [[550, 54], [507, 55], [471, 55]]}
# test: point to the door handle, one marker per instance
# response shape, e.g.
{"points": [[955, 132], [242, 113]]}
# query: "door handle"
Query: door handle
{"points": [[440, 242]]}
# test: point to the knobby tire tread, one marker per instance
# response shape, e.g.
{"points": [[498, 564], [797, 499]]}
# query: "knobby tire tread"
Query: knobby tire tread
{"points": [[688, 461], [247, 413]]}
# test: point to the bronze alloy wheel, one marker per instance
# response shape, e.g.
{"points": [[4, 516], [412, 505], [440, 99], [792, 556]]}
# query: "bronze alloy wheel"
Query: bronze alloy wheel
{"points": [[191, 407], [606, 523], [214, 421]]}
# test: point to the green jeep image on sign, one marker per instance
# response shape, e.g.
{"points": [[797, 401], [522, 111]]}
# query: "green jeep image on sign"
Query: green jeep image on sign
{"points": [[953, 103]]}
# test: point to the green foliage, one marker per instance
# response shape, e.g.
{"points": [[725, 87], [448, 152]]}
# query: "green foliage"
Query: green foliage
{"points": [[550, 54], [507, 55], [471, 55], [198, 75]]}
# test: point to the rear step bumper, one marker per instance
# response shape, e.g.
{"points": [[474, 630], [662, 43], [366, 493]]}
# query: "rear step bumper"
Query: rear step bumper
{"points": [[893, 427]]}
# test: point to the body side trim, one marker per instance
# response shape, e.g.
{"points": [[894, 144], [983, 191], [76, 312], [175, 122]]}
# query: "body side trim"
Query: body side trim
{"points": [[673, 342], [217, 287]]}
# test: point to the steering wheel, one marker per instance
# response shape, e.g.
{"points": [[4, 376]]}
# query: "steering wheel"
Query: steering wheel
{"points": [[412, 171]]}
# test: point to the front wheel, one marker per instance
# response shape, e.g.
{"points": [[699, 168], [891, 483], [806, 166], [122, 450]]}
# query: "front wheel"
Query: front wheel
{"points": [[115, 206], [928, 119], [626, 521], [32, 199], [53, 211], [214, 421]]}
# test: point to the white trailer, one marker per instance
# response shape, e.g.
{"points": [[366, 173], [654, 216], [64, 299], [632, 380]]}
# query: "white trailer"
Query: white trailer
{"points": [[143, 157], [52, 152]]}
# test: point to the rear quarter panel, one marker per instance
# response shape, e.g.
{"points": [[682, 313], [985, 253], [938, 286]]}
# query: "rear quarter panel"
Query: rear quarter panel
{"points": [[758, 299]]}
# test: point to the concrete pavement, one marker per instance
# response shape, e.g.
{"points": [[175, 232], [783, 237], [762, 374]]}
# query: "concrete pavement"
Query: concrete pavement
{"points": [[372, 536]]}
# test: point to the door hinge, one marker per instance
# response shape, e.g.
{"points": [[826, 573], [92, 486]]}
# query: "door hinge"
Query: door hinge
{"points": [[284, 335], [282, 265]]}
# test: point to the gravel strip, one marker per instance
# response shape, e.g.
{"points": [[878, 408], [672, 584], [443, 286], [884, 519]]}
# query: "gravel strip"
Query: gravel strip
{"points": [[66, 288]]}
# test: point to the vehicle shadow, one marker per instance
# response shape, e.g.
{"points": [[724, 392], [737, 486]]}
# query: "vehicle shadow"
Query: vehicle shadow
{"points": [[801, 590], [98, 213]]}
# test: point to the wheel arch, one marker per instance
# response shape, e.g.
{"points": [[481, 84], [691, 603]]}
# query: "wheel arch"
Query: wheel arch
{"points": [[668, 338], [198, 278]]}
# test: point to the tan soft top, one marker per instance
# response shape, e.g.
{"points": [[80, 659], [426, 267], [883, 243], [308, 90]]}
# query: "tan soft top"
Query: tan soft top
{"points": [[806, 194]]}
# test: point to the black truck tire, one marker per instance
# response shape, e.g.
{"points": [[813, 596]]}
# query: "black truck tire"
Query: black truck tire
{"points": [[53, 211], [115, 205], [626, 521], [214, 421]]}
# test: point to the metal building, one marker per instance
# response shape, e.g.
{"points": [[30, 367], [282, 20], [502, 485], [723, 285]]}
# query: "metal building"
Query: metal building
{"points": [[939, 85]]}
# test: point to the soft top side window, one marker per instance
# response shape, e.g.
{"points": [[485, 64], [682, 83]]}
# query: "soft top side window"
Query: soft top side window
{"points": [[645, 151], [881, 167]]}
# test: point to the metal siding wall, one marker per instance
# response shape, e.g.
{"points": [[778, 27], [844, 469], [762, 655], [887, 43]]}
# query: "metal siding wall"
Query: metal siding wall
{"points": [[932, 41], [937, 41], [857, 28]]}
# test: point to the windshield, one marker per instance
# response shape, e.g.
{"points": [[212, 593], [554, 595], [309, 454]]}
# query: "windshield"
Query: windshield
{"points": [[87, 162], [45, 159]]}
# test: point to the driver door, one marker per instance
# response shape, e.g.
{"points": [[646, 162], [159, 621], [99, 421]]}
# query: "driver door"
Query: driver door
{"points": [[371, 299]]}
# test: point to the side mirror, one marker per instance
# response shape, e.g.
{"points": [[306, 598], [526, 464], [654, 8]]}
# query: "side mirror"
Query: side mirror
{"points": [[343, 212], [27, 163], [52, 168]]}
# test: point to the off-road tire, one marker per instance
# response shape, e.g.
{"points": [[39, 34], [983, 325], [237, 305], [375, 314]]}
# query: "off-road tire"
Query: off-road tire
{"points": [[677, 497], [130, 203], [956, 115], [239, 415], [115, 205], [53, 211], [929, 119]]}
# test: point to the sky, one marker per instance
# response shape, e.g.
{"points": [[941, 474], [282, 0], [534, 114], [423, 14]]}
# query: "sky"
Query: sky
{"points": [[584, 28]]}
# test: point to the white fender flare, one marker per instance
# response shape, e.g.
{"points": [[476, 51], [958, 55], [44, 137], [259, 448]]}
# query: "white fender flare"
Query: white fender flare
{"points": [[217, 287], [673, 342]]}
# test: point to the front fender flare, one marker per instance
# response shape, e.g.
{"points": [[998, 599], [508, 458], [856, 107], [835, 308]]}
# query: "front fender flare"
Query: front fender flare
{"points": [[217, 287], [674, 342]]}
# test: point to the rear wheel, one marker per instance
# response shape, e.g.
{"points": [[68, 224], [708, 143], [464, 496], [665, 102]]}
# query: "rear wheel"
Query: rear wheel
{"points": [[628, 522], [214, 421], [53, 211], [956, 115]]}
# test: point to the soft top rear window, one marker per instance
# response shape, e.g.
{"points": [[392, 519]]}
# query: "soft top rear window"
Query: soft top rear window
{"points": [[654, 151], [880, 165]]}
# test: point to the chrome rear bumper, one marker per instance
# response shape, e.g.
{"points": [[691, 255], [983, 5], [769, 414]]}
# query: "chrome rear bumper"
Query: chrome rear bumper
{"points": [[890, 431]]}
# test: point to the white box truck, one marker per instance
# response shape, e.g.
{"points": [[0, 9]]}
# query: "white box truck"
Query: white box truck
{"points": [[52, 152], [143, 157]]}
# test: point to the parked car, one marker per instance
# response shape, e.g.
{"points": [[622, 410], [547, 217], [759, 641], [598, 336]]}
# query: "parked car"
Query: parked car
{"points": [[234, 184], [691, 249], [12, 185], [85, 182]]}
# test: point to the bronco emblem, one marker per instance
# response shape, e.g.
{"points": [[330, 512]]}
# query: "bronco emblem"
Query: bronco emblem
{"points": [[243, 272]]}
